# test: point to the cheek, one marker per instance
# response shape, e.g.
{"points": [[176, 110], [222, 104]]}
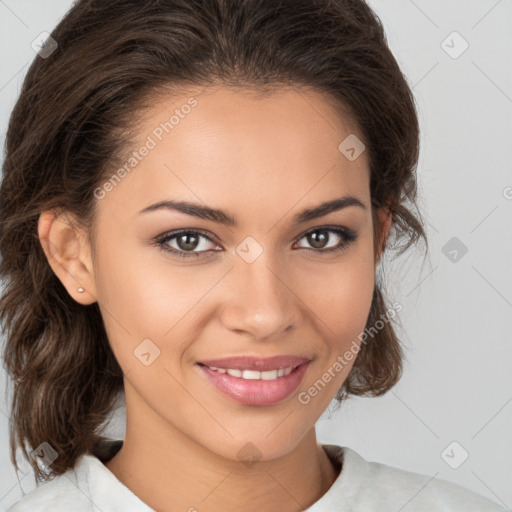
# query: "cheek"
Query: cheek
{"points": [[134, 283], [340, 293], [341, 300], [134, 302], [143, 295]]}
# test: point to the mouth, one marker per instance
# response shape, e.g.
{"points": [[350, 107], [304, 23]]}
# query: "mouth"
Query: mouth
{"points": [[254, 374], [255, 381]]}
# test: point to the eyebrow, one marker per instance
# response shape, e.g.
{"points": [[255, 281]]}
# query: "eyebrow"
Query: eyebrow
{"points": [[221, 217]]}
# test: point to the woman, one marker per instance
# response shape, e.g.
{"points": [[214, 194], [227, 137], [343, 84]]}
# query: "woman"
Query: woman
{"points": [[196, 199]]}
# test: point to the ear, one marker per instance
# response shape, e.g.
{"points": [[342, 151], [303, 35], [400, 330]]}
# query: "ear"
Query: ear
{"points": [[385, 219], [69, 254]]}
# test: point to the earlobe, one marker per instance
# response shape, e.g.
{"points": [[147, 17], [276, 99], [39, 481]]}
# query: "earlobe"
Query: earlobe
{"points": [[68, 253]]}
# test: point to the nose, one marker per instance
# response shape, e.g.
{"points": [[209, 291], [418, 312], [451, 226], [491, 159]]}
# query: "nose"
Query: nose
{"points": [[261, 302]]}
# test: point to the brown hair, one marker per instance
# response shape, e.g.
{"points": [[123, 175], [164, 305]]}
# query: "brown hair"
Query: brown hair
{"points": [[74, 120]]}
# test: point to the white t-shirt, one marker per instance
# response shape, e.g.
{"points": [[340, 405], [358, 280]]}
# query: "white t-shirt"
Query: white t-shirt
{"points": [[361, 486]]}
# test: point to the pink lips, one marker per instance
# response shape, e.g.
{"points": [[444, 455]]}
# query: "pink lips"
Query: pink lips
{"points": [[255, 391]]}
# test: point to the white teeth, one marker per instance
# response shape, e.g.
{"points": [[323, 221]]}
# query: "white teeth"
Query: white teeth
{"points": [[270, 375], [253, 374]]}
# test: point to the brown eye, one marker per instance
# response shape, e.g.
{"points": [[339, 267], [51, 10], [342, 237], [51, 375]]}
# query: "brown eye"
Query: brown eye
{"points": [[323, 240], [185, 243], [318, 239]]}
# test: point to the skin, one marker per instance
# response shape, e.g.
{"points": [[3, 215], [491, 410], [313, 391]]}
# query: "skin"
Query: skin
{"points": [[262, 160]]}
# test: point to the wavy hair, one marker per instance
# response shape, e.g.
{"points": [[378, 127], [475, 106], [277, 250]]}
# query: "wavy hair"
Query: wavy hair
{"points": [[75, 119]]}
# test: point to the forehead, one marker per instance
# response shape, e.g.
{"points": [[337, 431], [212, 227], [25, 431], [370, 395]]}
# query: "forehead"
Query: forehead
{"points": [[278, 117], [280, 147]]}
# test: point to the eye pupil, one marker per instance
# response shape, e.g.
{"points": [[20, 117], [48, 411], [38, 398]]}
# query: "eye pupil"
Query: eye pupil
{"points": [[318, 241], [187, 245]]}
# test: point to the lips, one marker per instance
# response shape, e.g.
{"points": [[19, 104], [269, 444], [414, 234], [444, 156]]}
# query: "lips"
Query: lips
{"points": [[258, 384]]}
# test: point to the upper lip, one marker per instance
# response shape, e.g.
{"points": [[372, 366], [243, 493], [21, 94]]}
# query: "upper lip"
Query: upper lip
{"points": [[256, 363]]}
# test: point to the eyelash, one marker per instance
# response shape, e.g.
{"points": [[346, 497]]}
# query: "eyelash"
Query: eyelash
{"points": [[348, 236]]}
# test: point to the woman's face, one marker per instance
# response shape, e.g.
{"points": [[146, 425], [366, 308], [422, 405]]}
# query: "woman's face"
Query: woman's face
{"points": [[266, 284]]}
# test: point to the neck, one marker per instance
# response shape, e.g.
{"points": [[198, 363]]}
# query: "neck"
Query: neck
{"points": [[173, 472]]}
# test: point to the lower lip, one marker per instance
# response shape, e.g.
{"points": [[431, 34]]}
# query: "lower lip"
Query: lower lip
{"points": [[256, 391]]}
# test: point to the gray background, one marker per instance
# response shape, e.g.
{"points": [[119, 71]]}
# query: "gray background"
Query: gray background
{"points": [[457, 307]]}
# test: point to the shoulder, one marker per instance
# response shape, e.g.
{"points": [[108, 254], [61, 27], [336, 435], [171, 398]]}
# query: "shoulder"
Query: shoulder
{"points": [[424, 492], [375, 486], [57, 494], [88, 487]]}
